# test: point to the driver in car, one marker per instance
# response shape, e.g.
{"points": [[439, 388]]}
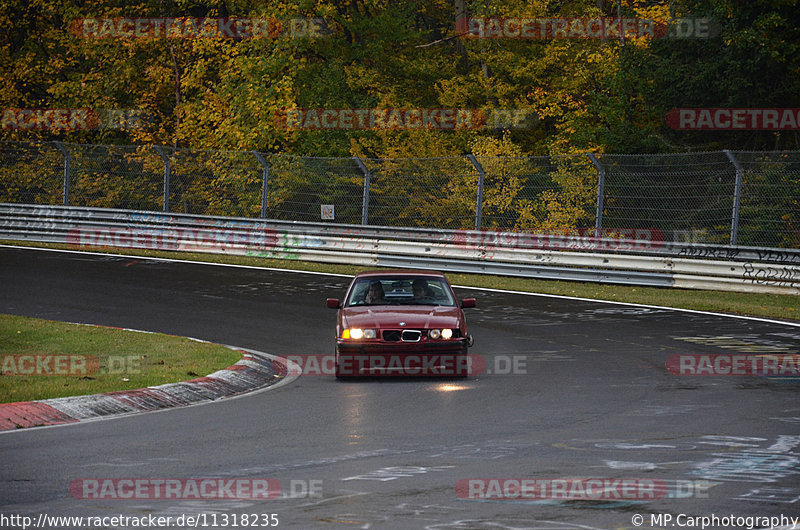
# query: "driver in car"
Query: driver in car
{"points": [[375, 294], [422, 290]]}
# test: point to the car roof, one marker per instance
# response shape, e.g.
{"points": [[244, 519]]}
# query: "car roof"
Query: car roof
{"points": [[399, 272]]}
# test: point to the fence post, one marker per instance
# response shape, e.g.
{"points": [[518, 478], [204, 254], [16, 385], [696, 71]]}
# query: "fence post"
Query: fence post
{"points": [[601, 188], [479, 195], [167, 169], [265, 183], [365, 199], [64, 151], [737, 197]]}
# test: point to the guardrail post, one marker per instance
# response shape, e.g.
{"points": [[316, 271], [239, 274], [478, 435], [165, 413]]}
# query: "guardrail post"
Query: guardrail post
{"points": [[167, 169], [265, 183], [64, 151], [479, 194], [365, 199], [601, 188], [737, 197]]}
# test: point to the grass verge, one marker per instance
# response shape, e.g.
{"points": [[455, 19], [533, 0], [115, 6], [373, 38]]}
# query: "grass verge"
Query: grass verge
{"points": [[783, 307], [95, 359]]}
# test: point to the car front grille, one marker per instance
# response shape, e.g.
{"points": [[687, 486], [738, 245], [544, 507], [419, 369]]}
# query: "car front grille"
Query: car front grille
{"points": [[404, 335], [411, 335], [392, 335]]}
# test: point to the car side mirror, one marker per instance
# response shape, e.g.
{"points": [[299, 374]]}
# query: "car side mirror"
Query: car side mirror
{"points": [[333, 303], [466, 303]]}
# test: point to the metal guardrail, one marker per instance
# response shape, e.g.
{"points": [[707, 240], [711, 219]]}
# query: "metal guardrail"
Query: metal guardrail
{"points": [[644, 262]]}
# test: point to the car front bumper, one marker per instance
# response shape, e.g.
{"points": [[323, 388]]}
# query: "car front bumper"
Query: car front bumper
{"points": [[413, 359]]}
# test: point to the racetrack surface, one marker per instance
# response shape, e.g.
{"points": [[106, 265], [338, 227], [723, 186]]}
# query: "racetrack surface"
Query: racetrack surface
{"points": [[595, 401]]}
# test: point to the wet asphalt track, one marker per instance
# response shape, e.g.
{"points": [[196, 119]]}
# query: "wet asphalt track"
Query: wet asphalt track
{"points": [[596, 401]]}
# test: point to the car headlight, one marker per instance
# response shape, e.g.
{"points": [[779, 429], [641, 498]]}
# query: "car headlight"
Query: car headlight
{"points": [[437, 334], [358, 333]]}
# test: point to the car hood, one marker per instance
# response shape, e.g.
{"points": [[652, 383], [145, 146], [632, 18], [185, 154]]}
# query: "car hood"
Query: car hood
{"points": [[389, 317]]}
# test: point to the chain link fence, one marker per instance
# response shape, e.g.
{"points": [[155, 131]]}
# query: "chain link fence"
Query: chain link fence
{"points": [[770, 199], [548, 195], [113, 177], [686, 196], [427, 192], [298, 188], [32, 173], [724, 197]]}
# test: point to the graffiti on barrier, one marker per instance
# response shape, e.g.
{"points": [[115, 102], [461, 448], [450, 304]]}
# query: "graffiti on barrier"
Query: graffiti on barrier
{"points": [[759, 274]]}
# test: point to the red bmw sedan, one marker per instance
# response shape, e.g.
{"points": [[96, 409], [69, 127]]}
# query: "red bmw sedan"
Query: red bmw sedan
{"points": [[401, 323]]}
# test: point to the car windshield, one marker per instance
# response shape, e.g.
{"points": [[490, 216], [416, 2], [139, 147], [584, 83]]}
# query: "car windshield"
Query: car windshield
{"points": [[406, 290]]}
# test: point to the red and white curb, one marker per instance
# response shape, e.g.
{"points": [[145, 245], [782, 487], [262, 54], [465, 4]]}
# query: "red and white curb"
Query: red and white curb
{"points": [[256, 371]]}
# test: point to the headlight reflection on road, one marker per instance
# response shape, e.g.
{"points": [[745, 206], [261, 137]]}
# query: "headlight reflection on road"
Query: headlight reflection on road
{"points": [[451, 387], [353, 417]]}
